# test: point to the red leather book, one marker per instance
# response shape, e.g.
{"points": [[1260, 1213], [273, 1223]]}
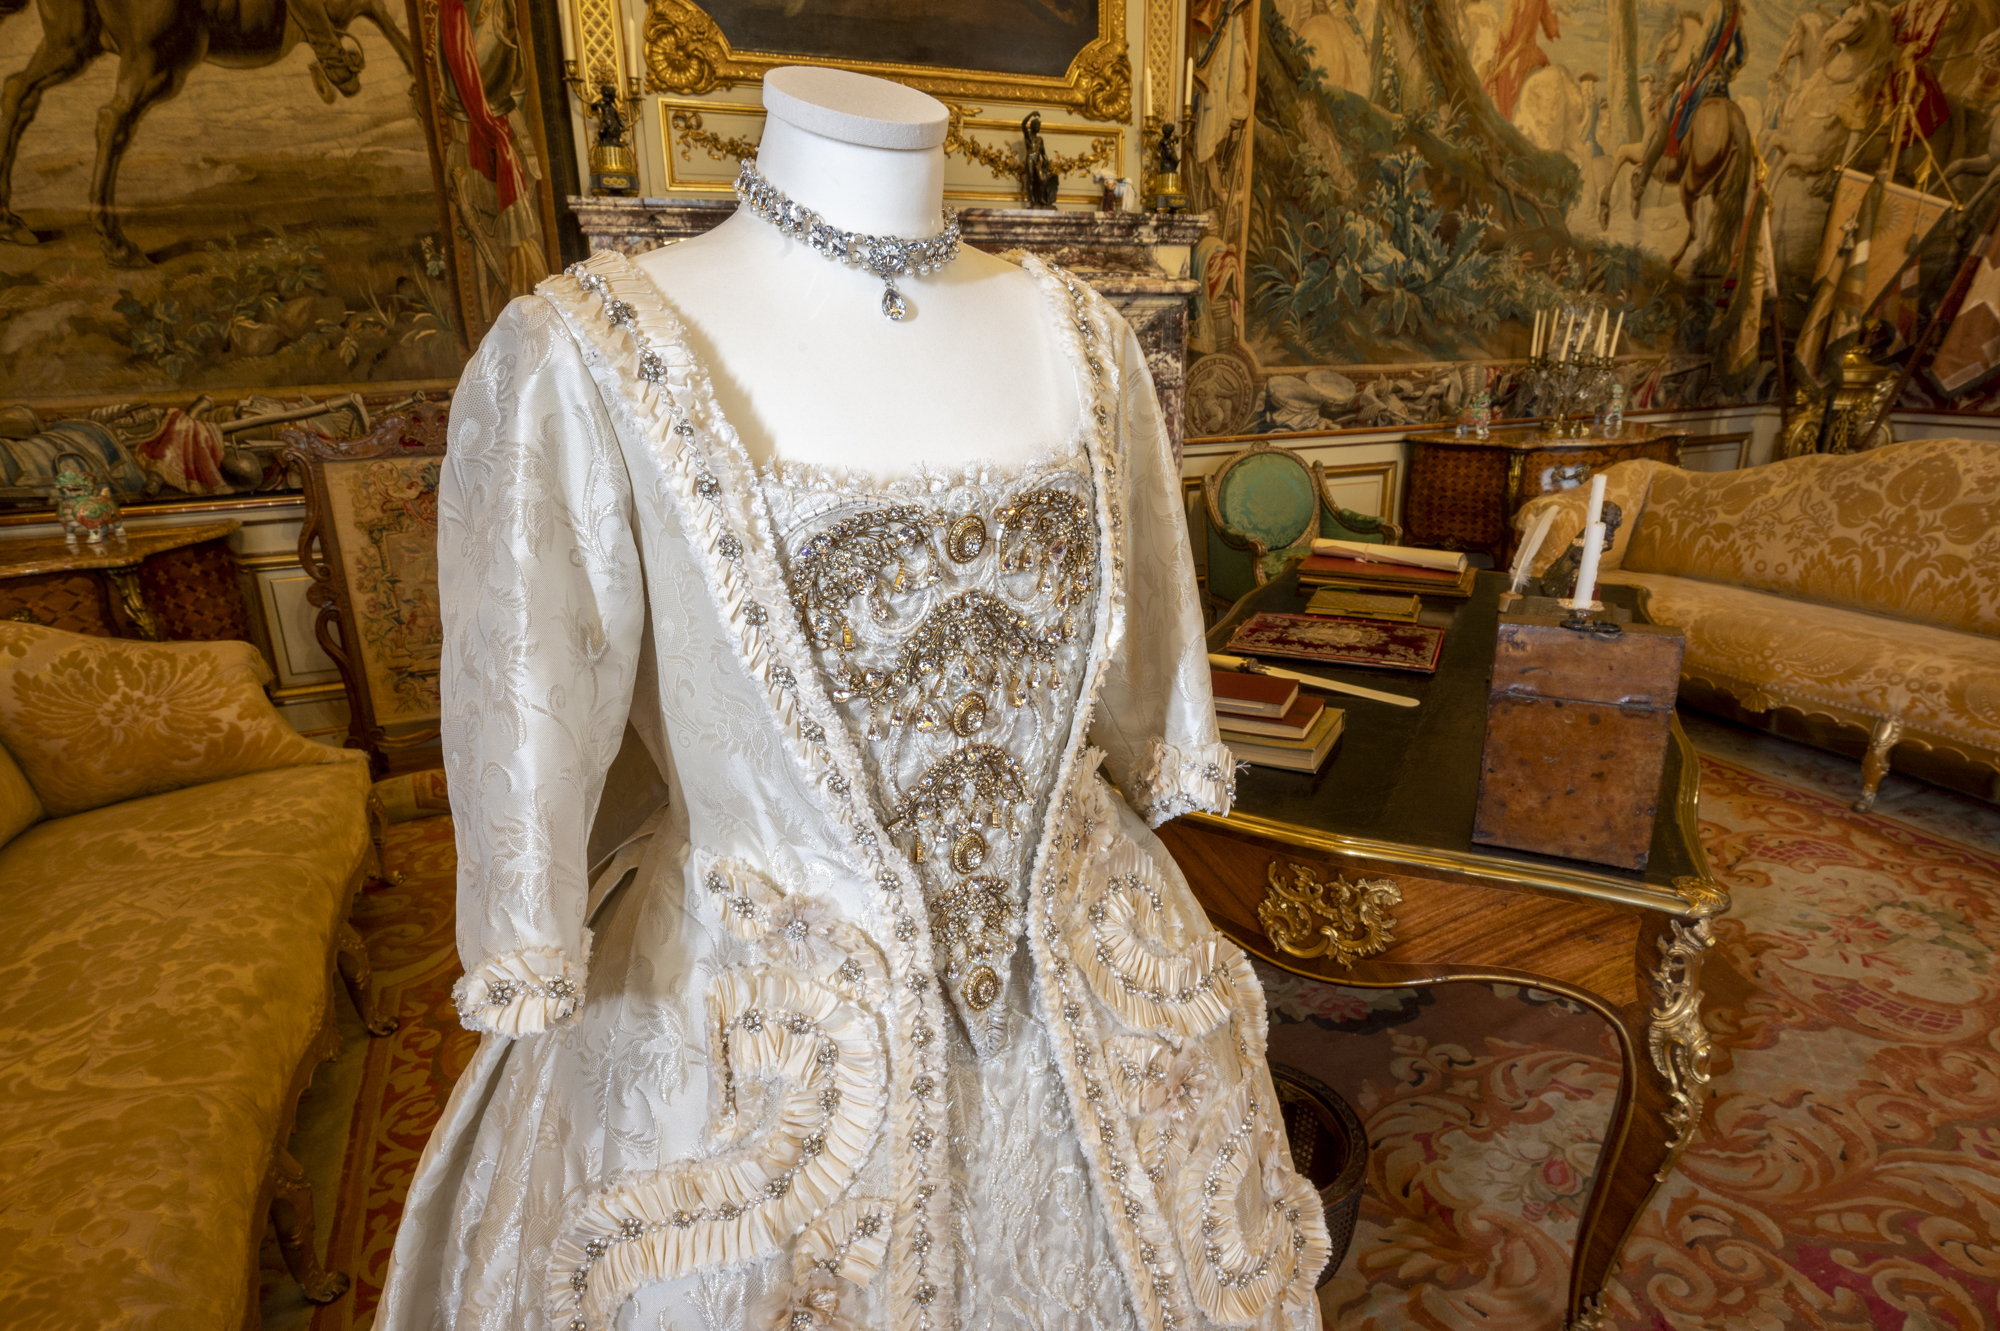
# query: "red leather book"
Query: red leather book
{"points": [[1294, 724], [1239, 694]]}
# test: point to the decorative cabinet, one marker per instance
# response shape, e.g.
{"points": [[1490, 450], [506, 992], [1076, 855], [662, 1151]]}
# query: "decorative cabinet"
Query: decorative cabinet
{"points": [[172, 583], [1463, 493]]}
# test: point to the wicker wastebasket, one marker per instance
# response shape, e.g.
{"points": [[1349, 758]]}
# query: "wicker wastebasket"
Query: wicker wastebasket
{"points": [[1329, 1148]]}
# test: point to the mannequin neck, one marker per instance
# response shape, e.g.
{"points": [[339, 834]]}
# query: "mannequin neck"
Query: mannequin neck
{"points": [[881, 191]]}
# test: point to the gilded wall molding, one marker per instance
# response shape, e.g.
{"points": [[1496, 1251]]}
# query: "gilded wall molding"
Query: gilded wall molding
{"points": [[597, 55], [1338, 919], [686, 53]]}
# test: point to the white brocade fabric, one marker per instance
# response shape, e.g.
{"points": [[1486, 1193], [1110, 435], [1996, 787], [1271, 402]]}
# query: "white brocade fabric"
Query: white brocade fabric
{"points": [[904, 1019]]}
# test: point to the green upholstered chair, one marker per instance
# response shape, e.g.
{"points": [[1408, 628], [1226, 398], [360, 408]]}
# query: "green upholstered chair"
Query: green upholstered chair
{"points": [[1266, 505]]}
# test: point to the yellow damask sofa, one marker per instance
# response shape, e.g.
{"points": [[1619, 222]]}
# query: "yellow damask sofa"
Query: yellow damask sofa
{"points": [[1849, 600], [176, 865]]}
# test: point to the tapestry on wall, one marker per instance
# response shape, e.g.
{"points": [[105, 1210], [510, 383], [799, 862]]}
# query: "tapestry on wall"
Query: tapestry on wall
{"points": [[306, 213], [1397, 186]]}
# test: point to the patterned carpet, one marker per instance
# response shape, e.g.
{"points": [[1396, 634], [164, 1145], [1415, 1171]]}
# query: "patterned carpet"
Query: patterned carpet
{"points": [[1846, 1175]]}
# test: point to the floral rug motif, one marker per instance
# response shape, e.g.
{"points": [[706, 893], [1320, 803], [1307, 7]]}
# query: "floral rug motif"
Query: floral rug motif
{"points": [[1846, 1173], [406, 1076]]}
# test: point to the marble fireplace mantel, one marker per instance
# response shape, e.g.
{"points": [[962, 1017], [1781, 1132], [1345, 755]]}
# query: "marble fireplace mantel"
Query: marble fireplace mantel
{"points": [[1137, 261]]}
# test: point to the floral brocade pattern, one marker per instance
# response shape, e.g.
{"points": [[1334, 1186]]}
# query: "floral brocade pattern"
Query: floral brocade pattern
{"points": [[1797, 583], [165, 976], [1911, 531], [96, 720]]}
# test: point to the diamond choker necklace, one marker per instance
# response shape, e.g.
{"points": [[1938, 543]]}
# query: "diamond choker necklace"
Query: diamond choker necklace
{"points": [[888, 257]]}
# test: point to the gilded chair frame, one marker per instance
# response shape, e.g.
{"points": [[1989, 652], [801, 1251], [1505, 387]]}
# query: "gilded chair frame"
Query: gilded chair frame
{"points": [[1211, 493]]}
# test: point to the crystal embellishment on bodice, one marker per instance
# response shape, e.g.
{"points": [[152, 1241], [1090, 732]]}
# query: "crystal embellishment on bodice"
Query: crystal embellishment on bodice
{"points": [[949, 619]]}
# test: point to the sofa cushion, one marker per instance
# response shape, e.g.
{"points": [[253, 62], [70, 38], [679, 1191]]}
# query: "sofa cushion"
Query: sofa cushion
{"points": [[19, 806], [1910, 530], [96, 720], [1943, 683], [161, 977]]}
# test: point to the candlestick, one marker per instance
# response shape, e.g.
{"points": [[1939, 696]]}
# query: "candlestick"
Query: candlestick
{"points": [[1595, 512], [1149, 92], [1586, 573], [570, 51], [1616, 332]]}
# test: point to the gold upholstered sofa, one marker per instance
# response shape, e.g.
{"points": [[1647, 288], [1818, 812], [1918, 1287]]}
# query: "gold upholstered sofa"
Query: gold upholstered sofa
{"points": [[176, 866], [1853, 601]]}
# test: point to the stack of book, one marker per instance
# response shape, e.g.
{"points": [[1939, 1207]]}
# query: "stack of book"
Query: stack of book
{"points": [[1266, 720], [1354, 566]]}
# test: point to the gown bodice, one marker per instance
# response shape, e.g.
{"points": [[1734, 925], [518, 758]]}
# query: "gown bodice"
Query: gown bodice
{"points": [[949, 616]]}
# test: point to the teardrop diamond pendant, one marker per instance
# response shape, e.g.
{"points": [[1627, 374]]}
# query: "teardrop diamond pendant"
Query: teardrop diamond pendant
{"points": [[893, 304]]}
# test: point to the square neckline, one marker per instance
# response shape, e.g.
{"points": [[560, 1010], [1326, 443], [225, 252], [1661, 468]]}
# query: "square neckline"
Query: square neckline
{"points": [[926, 477]]}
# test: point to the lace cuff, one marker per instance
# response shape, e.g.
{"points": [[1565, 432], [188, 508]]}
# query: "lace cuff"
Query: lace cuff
{"points": [[520, 993], [1174, 780]]}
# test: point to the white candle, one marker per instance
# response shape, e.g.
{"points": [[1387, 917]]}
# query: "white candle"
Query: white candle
{"points": [[635, 58], [569, 50], [1594, 514], [1569, 331], [1187, 90], [1603, 326], [1149, 93], [1617, 332], [1586, 573], [1535, 336]]}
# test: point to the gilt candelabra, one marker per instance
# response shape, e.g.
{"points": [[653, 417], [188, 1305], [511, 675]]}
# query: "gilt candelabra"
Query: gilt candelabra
{"points": [[614, 165]]}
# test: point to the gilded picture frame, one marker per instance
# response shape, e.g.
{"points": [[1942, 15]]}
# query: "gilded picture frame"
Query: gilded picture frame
{"points": [[688, 52]]}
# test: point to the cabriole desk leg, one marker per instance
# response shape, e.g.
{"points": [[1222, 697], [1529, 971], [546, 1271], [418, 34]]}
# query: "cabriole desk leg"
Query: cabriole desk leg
{"points": [[1665, 1049]]}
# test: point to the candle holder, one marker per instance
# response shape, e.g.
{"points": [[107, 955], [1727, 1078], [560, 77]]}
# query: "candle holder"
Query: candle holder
{"points": [[1160, 146], [1569, 393], [614, 165]]}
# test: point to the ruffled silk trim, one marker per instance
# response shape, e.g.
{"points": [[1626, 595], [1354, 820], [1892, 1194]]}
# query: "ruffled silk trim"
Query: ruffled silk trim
{"points": [[811, 1066], [644, 367], [1119, 977], [1173, 780], [1241, 1167], [521, 993]]}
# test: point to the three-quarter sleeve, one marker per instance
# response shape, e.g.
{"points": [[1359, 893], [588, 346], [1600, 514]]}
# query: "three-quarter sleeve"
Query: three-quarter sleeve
{"points": [[1155, 718], [543, 610]]}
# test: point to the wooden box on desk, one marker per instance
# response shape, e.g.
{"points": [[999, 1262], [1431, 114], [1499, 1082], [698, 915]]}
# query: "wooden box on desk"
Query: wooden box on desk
{"points": [[1577, 728]]}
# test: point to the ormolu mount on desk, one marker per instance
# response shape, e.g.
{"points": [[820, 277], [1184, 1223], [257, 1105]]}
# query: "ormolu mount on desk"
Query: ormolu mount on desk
{"points": [[1577, 727]]}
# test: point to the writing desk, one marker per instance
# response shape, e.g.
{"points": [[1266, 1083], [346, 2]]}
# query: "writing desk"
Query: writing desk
{"points": [[1366, 874]]}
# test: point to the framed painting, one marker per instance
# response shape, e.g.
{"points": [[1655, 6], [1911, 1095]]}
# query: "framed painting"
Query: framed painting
{"points": [[1069, 53]]}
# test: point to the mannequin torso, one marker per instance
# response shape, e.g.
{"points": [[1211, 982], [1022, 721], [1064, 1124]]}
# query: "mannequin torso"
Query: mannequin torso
{"points": [[806, 366]]}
